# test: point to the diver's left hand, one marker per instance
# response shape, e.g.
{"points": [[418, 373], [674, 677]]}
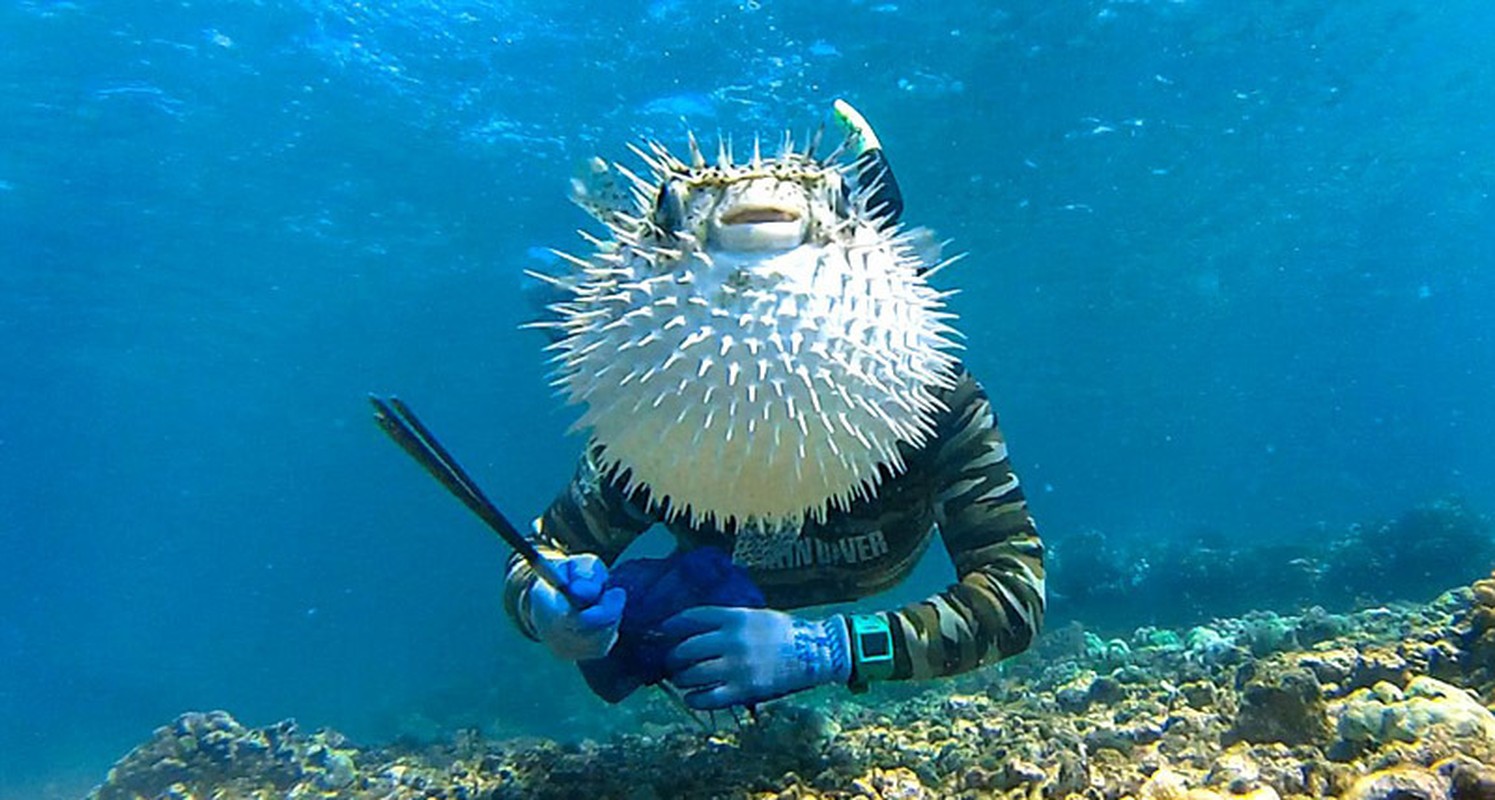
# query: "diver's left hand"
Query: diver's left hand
{"points": [[741, 656]]}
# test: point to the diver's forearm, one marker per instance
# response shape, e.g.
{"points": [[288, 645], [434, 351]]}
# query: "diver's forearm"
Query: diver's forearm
{"points": [[988, 616], [997, 607]]}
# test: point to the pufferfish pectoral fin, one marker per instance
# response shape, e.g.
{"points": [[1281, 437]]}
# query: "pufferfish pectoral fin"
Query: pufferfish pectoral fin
{"points": [[925, 246], [602, 192], [544, 291]]}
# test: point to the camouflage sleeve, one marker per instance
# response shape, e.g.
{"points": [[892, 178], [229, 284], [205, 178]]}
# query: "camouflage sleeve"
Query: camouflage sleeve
{"points": [[592, 515], [996, 608]]}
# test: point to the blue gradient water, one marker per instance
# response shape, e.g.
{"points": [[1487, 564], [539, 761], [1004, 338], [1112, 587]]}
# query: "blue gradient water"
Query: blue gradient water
{"points": [[1233, 265]]}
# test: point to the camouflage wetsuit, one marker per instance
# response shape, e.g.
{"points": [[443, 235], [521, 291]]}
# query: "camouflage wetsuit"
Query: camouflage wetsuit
{"points": [[960, 483]]}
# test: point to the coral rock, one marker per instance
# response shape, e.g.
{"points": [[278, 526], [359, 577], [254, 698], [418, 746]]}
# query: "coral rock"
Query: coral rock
{"points": [[1332, 666], [1163, 785], [1282, 705], [1381, 664], [1476, 629], [201, 751], [899, 783], [1399, 783], [1236, 771], [1073, 775], [1471, 780], [1428, 708], [1020, 773]]}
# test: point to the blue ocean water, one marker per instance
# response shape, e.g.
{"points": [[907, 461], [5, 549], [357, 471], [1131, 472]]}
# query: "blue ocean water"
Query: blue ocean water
{"points": [[1233, 267]]}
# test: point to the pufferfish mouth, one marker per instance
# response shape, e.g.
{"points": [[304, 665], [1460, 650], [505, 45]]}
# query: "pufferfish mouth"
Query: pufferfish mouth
{"points": [[758, 227], [758, 214]]}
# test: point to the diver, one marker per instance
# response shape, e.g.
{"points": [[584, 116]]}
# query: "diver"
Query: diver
{"points": [[950, 473]]}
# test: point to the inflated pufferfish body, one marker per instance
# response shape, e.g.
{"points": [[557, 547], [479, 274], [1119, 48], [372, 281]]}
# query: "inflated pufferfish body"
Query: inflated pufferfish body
{"points": [[750, 343]]}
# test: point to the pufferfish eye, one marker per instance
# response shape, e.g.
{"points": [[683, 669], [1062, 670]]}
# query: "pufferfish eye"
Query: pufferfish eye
{"points": [[669, 209]]}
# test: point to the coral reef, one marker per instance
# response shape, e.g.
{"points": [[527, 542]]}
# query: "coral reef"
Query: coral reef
{"points": [[1377, 704], [214, 750], [1182, 580]]}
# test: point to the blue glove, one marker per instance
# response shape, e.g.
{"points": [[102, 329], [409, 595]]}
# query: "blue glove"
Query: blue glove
{"points": [[577, 633], [742, 656]]}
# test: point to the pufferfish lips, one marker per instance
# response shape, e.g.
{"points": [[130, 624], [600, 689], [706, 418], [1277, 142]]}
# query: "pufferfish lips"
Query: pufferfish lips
{"points": [[758, 229], [755, 215], [761, 218]]}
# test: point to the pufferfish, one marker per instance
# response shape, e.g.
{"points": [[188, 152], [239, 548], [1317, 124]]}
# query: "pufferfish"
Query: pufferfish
{"points": [[750, 340]]}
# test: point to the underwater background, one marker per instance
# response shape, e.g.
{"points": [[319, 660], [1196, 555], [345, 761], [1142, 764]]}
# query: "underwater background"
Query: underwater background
{"points": [[1231, 283]]}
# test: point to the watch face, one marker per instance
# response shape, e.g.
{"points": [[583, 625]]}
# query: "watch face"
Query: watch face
{"points": [[876, 645]]}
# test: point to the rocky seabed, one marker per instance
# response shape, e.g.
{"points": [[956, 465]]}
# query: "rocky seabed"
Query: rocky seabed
{"points": [[1386, 703]]}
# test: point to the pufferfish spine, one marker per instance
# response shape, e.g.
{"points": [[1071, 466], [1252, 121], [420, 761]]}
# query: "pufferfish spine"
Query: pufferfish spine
{"points": [[751, 387]]}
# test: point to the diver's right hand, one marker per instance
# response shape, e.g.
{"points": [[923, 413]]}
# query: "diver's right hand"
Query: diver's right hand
{"points": [[570, 632]]}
